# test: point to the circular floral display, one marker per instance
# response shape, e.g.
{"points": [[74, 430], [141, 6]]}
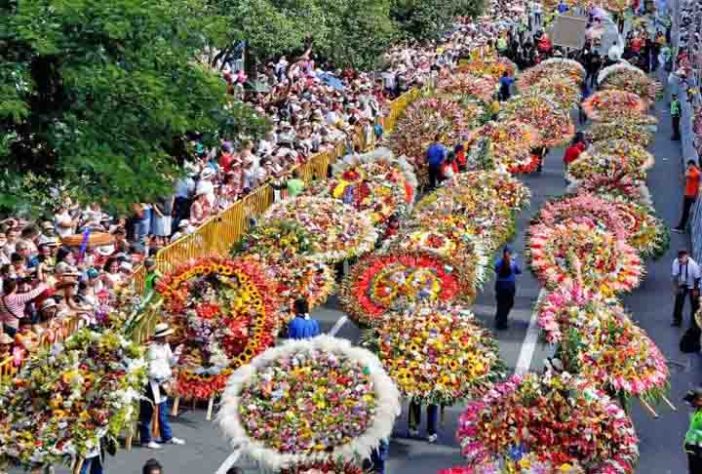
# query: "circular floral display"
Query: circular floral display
{"points": [[328, 467], [376, 182], [567, 69], [554, 125], [438, 354], [561, 423], [278, 237], [614, 158], [339, 231], [625, 188], [628, 130], [224, 313], [583, 207], [507, 190], [380, 282], [570, 253], [309, 401], [421, 122], [646, 233], [62, 402], [564, 92], [467, 84], [297, 278], [488, 66], [509, 145], [612, 103], [461, 248], [625, 77]]}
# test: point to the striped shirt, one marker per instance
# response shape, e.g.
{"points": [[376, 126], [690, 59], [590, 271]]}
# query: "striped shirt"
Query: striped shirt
{"points": [[12, 306]]}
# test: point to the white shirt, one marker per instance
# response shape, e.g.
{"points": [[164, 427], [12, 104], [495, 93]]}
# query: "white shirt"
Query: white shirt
{"points": [[206, 186], [160, 358], [687, 274]]}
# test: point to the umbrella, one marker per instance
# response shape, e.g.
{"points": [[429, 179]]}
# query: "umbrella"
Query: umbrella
{"points": [[331, 80]]}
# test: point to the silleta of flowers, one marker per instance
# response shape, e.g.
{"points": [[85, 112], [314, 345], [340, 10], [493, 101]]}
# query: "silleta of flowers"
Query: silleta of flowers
{"points": [[507, 190], [569, 253], [583, 207], [623, 129], [279, 238], [467, 84], [339, 231], [509, 145], [381, 282], [554, 125], [64, 400], [488, 66], [224, 313], [612, 103], [309, 401], [327, 467], [625, 188], [624, 76], [421, 122], [295, 278], [438, 354], [375, 182], [614, 158], [459, 247], [549, 423], [552, 68], [562, 90], [617, 356], [646, 233]]}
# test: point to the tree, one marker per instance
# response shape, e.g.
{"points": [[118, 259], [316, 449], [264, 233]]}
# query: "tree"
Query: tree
{"points": [[429, 19], [94, 95]]}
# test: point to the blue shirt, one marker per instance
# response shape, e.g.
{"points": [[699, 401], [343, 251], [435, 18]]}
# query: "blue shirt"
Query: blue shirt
{"points": [[510, 279], [506, 82], [303, 328], [562, 8], [436, 154]]}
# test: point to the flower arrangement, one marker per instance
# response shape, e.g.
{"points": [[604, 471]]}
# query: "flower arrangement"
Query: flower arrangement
{"points": [[583, 207], [646, 233], [623, 129], [327, 467], [490, 66], [561, 423], [421, 122], [438, 354], [309, 401], [509, 145], [613, 103], [381, 282], [64, 400], [583, 253], [568, 69], [294, 278], [625, 77], [615, 158], [461, 248], [284, 237], [339, 231], [506, 189], [539, 111], [617, 356], [624, 187], [467, 84], [376, 182], [224, 313], [564, 92]]}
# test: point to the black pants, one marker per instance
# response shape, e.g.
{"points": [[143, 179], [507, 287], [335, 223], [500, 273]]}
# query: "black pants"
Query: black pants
{"points": [[505, 301], [434, 174], [415, 416], [181, 210], [676, 127], [680, 304], [687, 205], [694, 459]]}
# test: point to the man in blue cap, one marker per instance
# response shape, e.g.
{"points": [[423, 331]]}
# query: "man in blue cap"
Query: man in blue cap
{"points": [[302, 326]]}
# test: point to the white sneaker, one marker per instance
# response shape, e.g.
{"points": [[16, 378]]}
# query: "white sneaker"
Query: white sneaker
{"points": [[432, 438], [176, 441], [153, 445]]}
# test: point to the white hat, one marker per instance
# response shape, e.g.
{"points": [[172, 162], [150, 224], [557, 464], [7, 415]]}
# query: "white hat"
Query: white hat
{"points": [[105, 250], [184, 223], [6, 339], [162, 330], [207, 173], [125, 266], [48, 303]]}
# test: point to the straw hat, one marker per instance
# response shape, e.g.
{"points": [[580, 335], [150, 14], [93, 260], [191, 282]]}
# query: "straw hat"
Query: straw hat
{"points": [[162, 330], [5, 339]]}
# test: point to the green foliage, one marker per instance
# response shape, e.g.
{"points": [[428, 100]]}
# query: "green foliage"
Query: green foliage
{"points": [[429, 19], [94, 94]]}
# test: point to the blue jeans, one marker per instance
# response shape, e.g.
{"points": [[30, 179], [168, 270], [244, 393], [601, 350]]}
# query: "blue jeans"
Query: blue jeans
{"points": [[92, 466], [415, 416], [142, 227], [379, 456], [145, 413]]}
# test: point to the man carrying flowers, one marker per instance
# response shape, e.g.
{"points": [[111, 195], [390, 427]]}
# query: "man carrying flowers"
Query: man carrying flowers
{"points": [[160, 359]]}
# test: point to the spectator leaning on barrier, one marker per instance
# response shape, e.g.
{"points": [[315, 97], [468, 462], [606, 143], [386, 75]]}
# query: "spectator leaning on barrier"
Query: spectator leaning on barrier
{"points": [[690, 192]]}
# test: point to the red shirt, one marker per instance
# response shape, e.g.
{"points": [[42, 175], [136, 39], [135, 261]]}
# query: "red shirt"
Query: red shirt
{"points": [[225, 161], [572, 153], [461, 158], [692, 182]]}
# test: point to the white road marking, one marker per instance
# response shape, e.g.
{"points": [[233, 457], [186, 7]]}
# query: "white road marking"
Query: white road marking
{"points": [[526, 353], [229, 462], [338, 325]]}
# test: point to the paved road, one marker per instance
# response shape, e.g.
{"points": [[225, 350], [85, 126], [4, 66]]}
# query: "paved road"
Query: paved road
{"points": [[651, 305]]}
